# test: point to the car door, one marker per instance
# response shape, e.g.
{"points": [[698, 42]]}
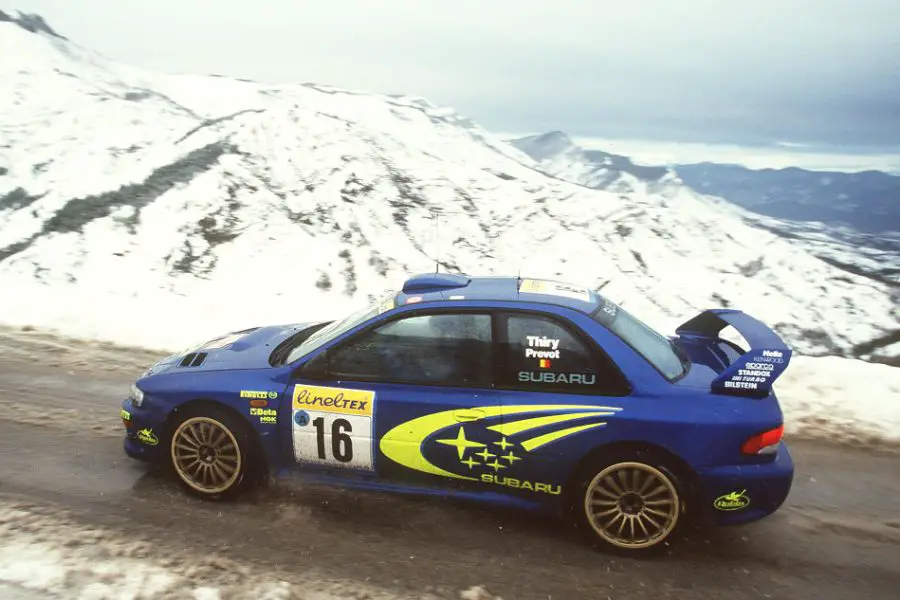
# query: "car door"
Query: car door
{"points": [[558, 392], [419, 381]]}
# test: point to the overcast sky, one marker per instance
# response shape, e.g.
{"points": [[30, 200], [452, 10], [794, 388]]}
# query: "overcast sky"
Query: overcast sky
{"points": [[741, 71]]}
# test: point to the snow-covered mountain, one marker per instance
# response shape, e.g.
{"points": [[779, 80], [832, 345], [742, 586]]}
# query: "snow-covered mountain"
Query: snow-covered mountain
{"points": [[157, 208]]}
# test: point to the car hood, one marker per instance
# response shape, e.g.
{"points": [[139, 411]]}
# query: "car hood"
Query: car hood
{"points": [[246, 349]]}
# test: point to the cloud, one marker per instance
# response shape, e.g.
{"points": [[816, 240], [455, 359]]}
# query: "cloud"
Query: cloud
{"points": [[822, 71]]}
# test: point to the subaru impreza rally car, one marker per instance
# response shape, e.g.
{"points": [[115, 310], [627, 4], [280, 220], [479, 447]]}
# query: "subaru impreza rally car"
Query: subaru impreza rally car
{"points": [[516, 391]]}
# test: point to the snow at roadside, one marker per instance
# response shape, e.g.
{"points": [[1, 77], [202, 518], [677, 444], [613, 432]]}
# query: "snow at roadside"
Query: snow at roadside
{"points": [[840, 399], [46, 555]]}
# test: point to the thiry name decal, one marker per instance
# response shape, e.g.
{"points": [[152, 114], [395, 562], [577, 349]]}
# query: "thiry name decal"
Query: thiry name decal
{"points": [[541, 347]]}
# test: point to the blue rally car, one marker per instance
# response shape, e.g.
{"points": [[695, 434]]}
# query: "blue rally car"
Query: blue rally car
{"points": [[521, 391]]}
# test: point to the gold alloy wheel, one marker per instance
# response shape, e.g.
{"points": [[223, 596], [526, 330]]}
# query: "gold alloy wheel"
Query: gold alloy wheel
{"points": [[206, 455], [632, 505]]}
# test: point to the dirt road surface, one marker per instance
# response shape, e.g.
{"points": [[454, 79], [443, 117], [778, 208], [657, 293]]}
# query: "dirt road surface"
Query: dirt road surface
{"points": [[61, 461]]}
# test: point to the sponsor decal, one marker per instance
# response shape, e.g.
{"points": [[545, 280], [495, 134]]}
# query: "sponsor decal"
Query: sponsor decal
{"points": [[551, 346], [495, 447], [457, 297], [257, 403], [522, 484], [757, 370], [544, 377], [125, 415], [609, 308], [732, 501], [266, 416], [334, 400], [333, 426], [259, 395], [554, 288], [413, 299], [147, 436], [386, 305]]}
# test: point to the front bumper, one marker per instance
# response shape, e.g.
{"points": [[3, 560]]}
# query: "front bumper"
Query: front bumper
{"points": [[736, 494], [144, 431]]}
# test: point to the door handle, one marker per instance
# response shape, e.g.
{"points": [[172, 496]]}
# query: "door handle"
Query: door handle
{"points": [[468, 415]]}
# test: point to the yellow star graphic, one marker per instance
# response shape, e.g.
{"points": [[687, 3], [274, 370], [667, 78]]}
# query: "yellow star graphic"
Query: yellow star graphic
{"points": [[485, 454], [511, 457], [469, 462], [503, 444], [496, 466], [461, 443]]}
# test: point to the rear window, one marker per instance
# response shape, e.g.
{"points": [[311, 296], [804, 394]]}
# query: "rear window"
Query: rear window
{"points": [[656, 348]]}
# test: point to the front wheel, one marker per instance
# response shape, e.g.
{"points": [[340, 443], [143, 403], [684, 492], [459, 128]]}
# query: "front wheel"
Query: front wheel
{"points": [[210, 453], [631, 506]]}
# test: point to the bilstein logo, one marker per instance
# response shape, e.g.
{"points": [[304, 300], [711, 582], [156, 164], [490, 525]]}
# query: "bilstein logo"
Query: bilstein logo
{"points": [[732, 501], [484, 451]]}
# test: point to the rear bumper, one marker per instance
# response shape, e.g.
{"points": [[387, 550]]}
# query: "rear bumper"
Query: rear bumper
{"points": [[736, 494], [143, 431]]}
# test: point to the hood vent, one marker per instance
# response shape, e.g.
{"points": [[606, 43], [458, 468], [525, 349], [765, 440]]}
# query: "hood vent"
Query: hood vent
{"points": [[194, 359]]}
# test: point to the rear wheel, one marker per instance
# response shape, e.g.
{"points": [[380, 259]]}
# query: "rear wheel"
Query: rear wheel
{"points": [[631, 505], [210, 452]]}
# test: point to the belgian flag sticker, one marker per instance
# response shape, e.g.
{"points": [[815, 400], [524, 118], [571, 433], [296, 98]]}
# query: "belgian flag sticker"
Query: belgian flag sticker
{"points": [[544, 363]]}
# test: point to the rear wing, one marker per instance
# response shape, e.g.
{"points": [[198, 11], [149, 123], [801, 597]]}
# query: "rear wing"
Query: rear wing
{"points": [[754, 371]]}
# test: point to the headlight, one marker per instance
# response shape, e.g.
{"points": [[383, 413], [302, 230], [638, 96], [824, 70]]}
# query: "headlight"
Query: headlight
{"points": [[137, 396]]}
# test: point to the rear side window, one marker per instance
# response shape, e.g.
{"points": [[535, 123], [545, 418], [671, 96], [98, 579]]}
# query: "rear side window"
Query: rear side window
{"points": [[539, 353], [437, 349]]}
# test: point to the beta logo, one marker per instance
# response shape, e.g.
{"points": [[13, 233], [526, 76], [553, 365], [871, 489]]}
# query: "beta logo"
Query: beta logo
{"points": [[732, 501]]}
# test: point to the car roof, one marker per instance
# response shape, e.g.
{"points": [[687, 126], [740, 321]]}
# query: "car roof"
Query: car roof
{"points": [[431, 287]]}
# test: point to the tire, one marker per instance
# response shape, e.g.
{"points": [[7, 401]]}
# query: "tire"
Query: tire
{"points": [[211, 453], [630, 504]]}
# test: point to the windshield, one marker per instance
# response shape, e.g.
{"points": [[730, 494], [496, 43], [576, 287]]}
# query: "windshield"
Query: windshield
{"points": [[336, 328], [652, 345]]}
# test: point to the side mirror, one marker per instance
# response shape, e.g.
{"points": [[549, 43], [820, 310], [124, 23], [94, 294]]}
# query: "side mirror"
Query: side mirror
{"points": [[317, 368]]}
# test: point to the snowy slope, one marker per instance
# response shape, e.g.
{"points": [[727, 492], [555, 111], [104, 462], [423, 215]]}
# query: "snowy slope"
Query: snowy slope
{"points": [[155, 209]]}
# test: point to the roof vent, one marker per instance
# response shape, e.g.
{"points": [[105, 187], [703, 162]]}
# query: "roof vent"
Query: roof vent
{"points": [[433, 282]]}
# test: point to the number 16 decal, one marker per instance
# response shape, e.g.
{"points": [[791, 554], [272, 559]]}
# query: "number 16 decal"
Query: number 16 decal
{"points": [[341, 443], [333, 426]]}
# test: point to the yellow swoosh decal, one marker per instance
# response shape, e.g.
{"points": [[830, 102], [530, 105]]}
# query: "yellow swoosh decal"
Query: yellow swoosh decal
{"points": [[526, 424], [403, 443], [542, 440]]}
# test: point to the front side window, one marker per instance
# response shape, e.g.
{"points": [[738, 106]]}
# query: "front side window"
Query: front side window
{"points": [[541, 354], [337, 328], [437, 349]]}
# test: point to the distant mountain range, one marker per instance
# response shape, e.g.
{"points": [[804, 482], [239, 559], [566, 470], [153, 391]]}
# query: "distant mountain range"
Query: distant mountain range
{"points": [[868, 201], [851, 220]]}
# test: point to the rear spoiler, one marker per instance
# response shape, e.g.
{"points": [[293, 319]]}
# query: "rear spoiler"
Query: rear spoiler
{"points": [[754, 371]]}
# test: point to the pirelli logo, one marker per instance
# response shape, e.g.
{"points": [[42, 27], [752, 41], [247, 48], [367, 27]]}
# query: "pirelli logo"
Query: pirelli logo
{"points": [[335, 400]]}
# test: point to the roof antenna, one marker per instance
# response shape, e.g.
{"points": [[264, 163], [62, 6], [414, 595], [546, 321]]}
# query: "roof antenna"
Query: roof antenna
{"points": [[437, 244]]}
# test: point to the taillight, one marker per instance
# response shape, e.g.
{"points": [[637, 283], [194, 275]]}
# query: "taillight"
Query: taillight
{"points": [[765, 442]]}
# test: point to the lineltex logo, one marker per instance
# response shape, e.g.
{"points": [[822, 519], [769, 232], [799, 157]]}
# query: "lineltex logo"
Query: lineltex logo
{"points": [[486, 448]]}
